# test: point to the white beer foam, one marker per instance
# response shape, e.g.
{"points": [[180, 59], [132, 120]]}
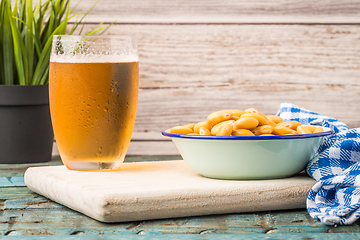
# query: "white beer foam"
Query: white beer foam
{"points": [[94, 58]]}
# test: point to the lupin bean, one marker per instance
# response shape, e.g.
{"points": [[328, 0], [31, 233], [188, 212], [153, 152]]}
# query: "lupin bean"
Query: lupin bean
{"points": [[225, 129], [216, 128], [318, 130], [275, 118], [219, 116], [204, 131], [250, 122], [190, 125], [234, 118], [264, 129], [291, 124], [242, 132], [181, 130], [282, 130], [311, 128], [237, 113], [246, 123], [262, 119], [271, 122], [202, 124], [254, 110], [302, 130]]}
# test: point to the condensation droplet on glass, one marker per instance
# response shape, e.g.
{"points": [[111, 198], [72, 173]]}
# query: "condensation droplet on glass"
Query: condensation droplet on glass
{"points": [[99, 151]]}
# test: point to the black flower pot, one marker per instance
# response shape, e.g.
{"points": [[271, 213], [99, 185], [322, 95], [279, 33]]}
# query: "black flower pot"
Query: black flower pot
{"points": [[26, 134]]}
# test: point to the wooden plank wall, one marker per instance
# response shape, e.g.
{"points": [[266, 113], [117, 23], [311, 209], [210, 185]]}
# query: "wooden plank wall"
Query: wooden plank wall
{"points": [[201, 56]]}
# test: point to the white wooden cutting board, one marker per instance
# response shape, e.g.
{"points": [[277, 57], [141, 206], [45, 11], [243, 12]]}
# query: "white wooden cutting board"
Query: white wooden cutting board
{"points": [[166, 189]]}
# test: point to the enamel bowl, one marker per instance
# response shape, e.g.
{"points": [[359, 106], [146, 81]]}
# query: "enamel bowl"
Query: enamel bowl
{"points": [[259, 157]]}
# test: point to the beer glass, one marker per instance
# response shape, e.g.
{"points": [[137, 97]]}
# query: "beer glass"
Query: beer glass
{"points": [[93, 87]]}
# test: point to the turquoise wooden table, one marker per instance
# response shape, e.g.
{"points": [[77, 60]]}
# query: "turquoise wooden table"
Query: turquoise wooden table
{"points": [[27, 215]]}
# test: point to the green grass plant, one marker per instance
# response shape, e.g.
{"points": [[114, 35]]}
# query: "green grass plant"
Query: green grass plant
{"points": [[26, 32]]}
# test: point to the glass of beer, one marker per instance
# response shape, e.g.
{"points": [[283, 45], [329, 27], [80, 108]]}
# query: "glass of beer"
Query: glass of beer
{"points": [[93, 87]]}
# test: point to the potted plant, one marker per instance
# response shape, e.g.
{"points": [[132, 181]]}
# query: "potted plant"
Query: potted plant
{"points": [[26, 32]]}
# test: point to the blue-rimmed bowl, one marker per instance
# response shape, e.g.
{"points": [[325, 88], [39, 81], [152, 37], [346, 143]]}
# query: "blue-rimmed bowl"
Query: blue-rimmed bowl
{"points": [[258, 157]]}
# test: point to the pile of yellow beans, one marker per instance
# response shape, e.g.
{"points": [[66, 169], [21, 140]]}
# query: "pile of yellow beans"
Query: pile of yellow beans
{"points": [[250, 122]]}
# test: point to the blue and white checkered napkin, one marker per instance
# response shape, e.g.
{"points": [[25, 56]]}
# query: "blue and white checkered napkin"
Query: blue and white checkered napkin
{"points": [[335, 198]]}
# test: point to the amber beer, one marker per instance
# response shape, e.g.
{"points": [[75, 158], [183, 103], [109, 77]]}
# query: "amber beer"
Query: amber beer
{"points": [[93, 106]]}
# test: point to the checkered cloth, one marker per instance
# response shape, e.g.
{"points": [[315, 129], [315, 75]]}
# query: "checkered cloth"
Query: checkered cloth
{"points": [[335, 198]]}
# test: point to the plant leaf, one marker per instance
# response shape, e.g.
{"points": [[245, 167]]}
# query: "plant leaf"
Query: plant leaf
{"points": [[107, 27], [93, 32], [1, 44], [45, 77], [37, 42], [26, 37], [37, 9], [71, 10], [66, 19], [40, 20], [20, 15], [29, 42], [96, 27], [19, 50], [7, 45], [64, 9], [78, 23], [45, 57], [82, 28], [74, 25]]}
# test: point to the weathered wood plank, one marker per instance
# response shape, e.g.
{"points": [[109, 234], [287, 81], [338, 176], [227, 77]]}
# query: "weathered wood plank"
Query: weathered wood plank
{"points": [[218, 11], [26, 213], [40, 222], [288, 236], [12, 182], [16, 193], [38, 202], [188, 71]]}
